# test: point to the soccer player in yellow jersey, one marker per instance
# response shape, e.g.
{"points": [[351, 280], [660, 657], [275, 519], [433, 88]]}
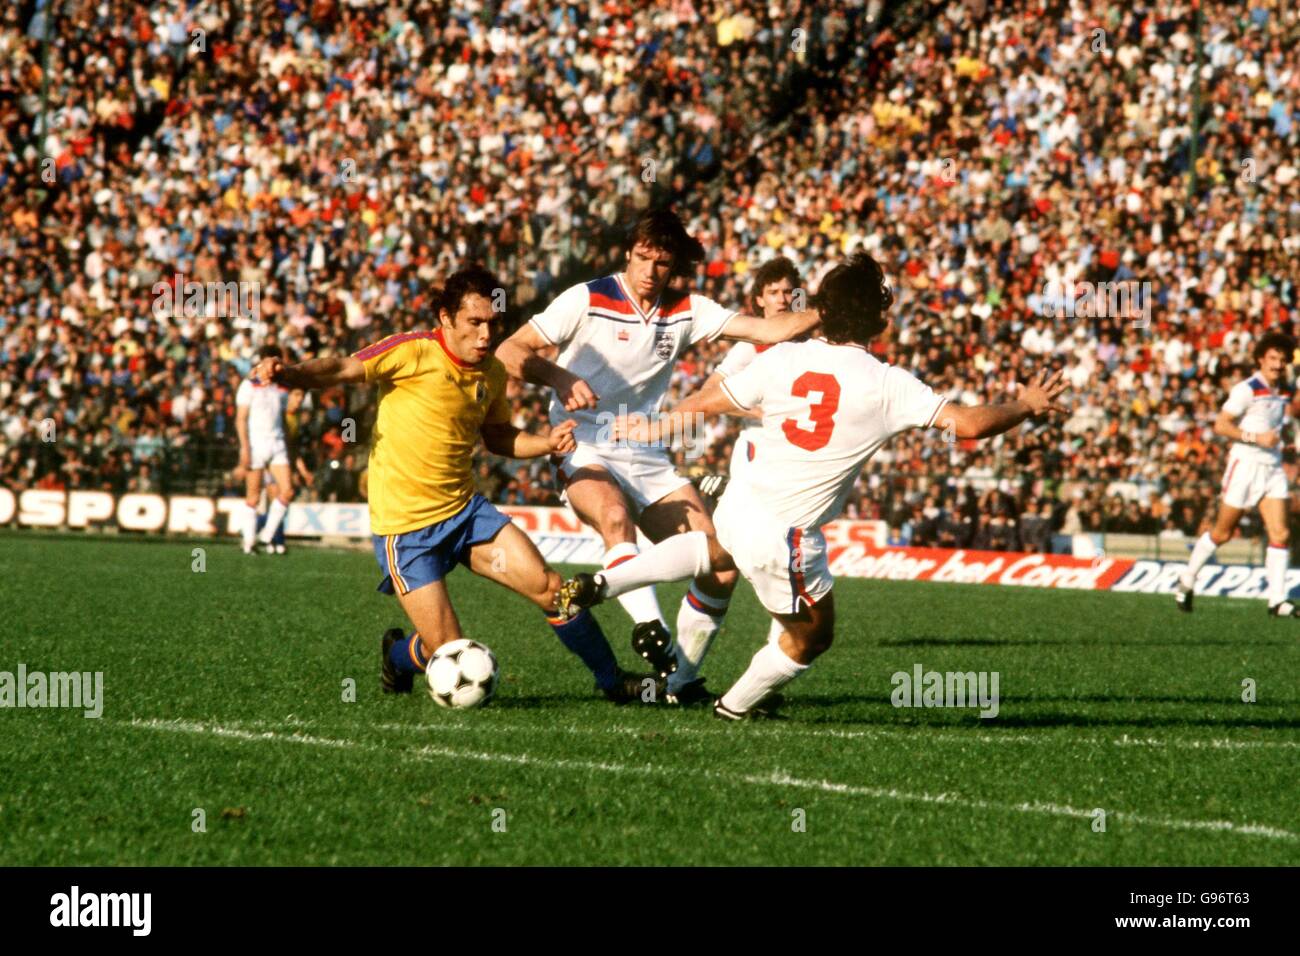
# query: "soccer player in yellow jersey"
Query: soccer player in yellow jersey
{"points": [[438, 393]]}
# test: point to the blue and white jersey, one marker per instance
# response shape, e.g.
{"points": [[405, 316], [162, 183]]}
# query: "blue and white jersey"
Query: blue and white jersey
{"points": [[626, 355], [1258, 408]]}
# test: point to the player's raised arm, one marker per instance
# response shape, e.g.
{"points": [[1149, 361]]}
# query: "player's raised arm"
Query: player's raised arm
{"points": [[985, 421], [779, 328], [315, 373]]}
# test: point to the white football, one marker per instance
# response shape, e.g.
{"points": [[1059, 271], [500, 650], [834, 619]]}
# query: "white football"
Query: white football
{"points": [[462, 674]]}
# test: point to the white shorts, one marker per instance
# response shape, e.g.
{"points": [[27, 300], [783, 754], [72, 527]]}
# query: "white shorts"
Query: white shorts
{"points": [[271, 452], [786, 566], [645, 474], [1246, 482]]}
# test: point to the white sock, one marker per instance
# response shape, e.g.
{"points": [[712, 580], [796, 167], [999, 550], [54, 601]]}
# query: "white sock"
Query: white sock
{"points": [[250, 525], [673, 559], [770, 670], [274, 515], [1275, 565], [1202, 551], [698, 623], [640, 603]]}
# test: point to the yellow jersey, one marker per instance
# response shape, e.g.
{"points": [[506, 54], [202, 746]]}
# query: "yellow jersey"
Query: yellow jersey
{"points": [[431, 407]]}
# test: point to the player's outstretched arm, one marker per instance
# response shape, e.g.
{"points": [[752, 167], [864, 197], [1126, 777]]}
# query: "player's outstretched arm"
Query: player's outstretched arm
{"points": [[316, 373], [779, 328], [985, 421], [715, 379], [510, 442], [519, 354], [710, 400]]}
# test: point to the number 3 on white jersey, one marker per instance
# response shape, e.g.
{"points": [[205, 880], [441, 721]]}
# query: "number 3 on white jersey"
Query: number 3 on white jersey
{"points": [[814, 431]]}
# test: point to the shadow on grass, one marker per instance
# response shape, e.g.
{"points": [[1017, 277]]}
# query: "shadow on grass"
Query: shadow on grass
{"points": [[883, 715]]}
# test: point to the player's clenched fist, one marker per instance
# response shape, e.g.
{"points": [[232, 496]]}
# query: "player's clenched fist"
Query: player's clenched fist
{"points": [[577, 394], [561, 437], [267, 371]]}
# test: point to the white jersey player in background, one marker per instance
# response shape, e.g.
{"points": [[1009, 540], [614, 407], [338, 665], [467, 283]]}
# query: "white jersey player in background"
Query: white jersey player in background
{"points": [[773, 291], [619, 338], [1253, 417], [259, 420], [828, 405]]}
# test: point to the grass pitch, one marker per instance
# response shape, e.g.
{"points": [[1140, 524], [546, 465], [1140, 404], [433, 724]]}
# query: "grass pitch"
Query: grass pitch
{"points": [[224, 692]]}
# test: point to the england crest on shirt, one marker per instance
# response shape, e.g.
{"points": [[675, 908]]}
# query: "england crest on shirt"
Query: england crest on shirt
{"points": [[664, 345]]}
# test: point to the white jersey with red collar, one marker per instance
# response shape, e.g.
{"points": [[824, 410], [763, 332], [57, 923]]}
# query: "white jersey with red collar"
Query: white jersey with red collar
{"points": [[826, 410], [1257, 408], [626, 355], [266, 405]]}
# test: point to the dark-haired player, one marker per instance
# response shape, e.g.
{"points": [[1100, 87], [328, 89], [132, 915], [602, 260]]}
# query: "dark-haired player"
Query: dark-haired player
{"points": [[827, 406], [772, 293], [773, 289], [619, 338], [1253, 417], [259, 423], [438, 393]]}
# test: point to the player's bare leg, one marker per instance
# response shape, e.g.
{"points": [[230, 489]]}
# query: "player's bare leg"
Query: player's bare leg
{"points": [[279, 507], [252, 495], [512, 560], [804, 637], [429, 610], [598, 500], [705, 605], [1277, 557]]}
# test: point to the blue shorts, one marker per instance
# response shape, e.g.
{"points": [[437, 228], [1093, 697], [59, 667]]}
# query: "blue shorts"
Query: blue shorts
{"points": [[416, 558]]}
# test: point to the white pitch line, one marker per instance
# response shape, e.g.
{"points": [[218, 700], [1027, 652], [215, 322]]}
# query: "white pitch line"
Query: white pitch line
{"points": [[921, 735], [776, 778]]}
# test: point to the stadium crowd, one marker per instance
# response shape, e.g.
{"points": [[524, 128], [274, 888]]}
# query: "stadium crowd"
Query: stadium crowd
{"points": [[340, 159]]}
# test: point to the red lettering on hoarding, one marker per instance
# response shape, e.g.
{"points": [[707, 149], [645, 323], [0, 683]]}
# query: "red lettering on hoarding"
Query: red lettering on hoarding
{"points": [[977, 567]]}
